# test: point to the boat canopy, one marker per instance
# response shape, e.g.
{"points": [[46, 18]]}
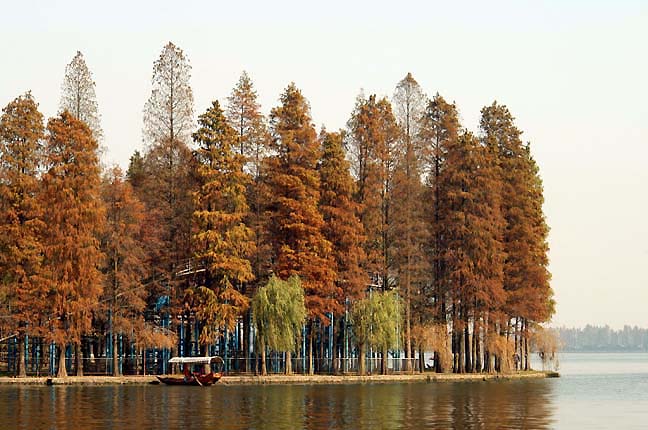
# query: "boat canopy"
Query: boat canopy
{"points": [[195, 360]]}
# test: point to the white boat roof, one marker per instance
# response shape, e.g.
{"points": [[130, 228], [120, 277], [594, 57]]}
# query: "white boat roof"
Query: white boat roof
{"points": [[194, 360]]}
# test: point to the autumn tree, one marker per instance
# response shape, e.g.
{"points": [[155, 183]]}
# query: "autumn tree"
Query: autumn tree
{"points": [[437, 133], [526, 278], [168, 113], [21, 226], [75, 219], [279, 313], [165, 172], [78, 95], [125, 269], [472, 250], [342, 225], [223, 241], [410, 230], [373, 136], [244, 115], [296, 227]]}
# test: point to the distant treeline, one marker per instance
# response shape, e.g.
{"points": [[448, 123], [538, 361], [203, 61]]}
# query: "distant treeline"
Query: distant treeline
{"points": [[595, 338]]}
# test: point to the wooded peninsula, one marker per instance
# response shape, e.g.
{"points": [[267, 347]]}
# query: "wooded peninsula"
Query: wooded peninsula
{"points": [[279, 247]]}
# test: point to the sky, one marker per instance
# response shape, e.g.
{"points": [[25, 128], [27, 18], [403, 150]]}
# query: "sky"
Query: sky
{"points": [[573, 73]]}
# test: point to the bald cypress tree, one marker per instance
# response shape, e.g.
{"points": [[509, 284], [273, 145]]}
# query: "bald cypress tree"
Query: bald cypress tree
{"points": [[21, 280], [438, 132], [526, 278], [75, 219], [125, 270], [372, 143], [342, 226], [244, 116], [78, 95], [296, 228], [168, 113], [410, 232], [164, 177], [222, 242], [472, 254]]}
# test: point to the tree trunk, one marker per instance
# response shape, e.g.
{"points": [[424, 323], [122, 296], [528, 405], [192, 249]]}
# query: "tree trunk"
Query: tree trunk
{"points": [[288, 363], [21, 370], [311, 336], [62, 371], [78, 358], [408, 327], [115, 356], [361, 360], [383, 361], [144, 361], [477, 342], [246, 339], [467, 346], [461, 365], [264, 369], [421, 360]]}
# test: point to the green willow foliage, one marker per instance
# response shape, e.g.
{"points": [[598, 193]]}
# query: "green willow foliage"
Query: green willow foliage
{"points": [[279, 313]]}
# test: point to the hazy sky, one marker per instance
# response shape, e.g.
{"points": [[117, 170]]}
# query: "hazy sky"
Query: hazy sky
{"points": [[573, 73]]}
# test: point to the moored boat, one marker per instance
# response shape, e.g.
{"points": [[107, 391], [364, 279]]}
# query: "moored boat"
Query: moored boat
{"points": [[190, 376]]}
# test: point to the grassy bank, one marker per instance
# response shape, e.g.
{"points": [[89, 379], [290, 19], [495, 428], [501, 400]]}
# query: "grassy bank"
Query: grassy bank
{"points": [[283, 379]]}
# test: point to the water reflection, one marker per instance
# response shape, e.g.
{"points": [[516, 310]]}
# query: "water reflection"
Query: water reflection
{"points": [[476, 405]]}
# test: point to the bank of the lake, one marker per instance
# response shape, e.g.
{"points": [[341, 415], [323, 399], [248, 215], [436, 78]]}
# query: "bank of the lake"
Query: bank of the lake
{"points": [[287, 379]]}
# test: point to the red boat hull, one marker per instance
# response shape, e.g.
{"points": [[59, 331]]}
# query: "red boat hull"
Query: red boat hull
{"points": [[202, 380]]}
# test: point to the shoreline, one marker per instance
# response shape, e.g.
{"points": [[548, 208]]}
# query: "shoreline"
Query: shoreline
{"points": [[288, 380]]}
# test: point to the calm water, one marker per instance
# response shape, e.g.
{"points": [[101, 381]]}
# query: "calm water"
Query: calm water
{"points": [[595, 391]]}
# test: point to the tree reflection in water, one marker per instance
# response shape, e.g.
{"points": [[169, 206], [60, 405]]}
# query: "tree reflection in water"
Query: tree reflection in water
{"points": [[469, 405]]}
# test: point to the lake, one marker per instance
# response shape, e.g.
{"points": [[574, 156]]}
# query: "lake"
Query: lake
{"points": [[595, 391]]}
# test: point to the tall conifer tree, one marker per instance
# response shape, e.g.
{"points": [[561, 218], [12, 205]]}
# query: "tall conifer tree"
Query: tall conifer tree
{"points": [[222, 241], [21, 226], [126, 268], [410, 233], [78, 95], [75, 219], [165, 179], [372, 142], [244, 115], [438, 131], [472, 256], [300, 247]]}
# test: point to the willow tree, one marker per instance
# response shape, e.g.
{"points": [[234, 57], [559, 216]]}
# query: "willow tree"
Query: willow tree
{"points": [[437, 133], [75, 219], [126, 268], [375, 324], [296, 227], [244, 115], [78, 95], [222, 241], [21, 280], [279, 313]]}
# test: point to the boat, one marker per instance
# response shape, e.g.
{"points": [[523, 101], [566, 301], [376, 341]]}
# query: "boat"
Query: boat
{"points": [[192, 377]]}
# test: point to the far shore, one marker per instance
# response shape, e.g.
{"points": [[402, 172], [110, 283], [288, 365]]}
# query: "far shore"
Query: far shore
{"points": [[296, 379]]}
